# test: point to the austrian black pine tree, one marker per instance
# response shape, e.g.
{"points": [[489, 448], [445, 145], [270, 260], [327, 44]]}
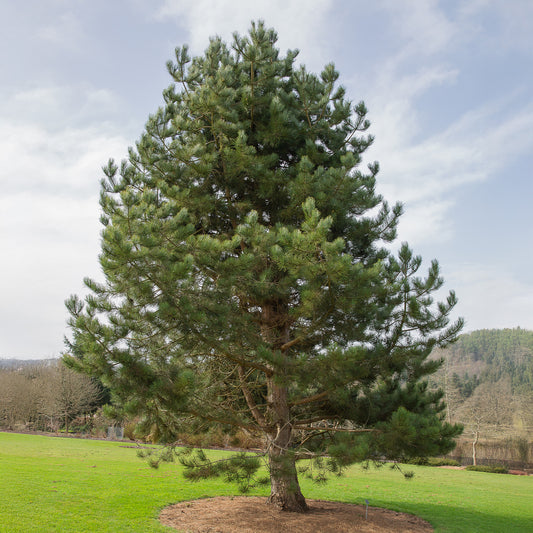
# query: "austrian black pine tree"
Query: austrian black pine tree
{"points": [[247, 282]]}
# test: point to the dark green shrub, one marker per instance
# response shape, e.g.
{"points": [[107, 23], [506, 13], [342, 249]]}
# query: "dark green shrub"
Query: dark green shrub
{"points": [[442, 461], [433, 461], [493, 469], [420, 461]]}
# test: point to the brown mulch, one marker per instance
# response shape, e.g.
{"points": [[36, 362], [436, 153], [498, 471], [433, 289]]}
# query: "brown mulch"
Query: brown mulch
{"points": [[243, 514]]}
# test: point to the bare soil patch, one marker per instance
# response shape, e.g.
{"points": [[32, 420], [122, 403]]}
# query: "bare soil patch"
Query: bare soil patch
{"points": [[243, 514]]}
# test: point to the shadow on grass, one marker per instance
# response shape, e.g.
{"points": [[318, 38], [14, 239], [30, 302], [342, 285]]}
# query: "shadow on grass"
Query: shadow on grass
{"points": [[454, 519]]}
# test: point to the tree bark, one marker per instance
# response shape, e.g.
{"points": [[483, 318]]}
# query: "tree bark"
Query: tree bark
{"points": [[285, 490]]}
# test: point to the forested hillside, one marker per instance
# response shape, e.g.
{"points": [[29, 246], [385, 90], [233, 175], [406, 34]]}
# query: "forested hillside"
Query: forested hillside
{"points": [[493, 354], [487, 376]]}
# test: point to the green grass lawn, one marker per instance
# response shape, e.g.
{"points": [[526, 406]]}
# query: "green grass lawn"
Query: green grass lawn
{"points": [[59, 484]]}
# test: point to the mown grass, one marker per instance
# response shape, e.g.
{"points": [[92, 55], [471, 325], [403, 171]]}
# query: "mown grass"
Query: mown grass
{"points": [[71, 485]]}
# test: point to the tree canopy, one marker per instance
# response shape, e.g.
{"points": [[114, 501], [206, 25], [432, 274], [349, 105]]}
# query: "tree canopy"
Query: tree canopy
{"points": [[247, 278]]}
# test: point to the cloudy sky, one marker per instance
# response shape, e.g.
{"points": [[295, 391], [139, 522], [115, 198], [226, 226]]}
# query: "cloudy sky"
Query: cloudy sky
{"points": [[448, 84]]}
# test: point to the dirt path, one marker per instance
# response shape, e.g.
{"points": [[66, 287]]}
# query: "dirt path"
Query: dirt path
{"points": [[252, 515]]}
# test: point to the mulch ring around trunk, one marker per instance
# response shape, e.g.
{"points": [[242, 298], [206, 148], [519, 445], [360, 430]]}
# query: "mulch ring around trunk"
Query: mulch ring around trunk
{"points": [[241, 514]]}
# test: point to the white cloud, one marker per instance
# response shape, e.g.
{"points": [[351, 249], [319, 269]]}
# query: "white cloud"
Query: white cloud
{"points": [[421, 167], [424, 174], [510, 22], [49, 244], [60, 106], [64, 162], [423, 27], [49, 231], [489, 297], [300, 24], [65, 30], [426, 222], [57, 138], [392, 102]]}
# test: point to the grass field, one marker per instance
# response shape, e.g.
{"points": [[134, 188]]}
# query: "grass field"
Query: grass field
{"points": [[51, 484]]}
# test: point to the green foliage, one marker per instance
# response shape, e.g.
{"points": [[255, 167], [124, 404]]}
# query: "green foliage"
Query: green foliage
{"points": [[247, 278], [465, 385], [240, 468], [492, 469]]}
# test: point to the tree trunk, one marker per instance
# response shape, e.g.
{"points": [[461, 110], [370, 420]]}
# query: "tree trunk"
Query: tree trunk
{"points": [[285, 490], [474, 443]]}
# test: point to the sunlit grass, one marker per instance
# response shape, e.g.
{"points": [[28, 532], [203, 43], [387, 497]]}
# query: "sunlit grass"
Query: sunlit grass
{"points": [[71, 485]]}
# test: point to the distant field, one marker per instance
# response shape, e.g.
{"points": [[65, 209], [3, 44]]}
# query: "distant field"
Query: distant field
{"points": [[53, 484]]}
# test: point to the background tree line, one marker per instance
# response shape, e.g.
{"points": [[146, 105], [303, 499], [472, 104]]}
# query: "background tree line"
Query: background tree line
{"points": [[45, 395], [487, 377]]}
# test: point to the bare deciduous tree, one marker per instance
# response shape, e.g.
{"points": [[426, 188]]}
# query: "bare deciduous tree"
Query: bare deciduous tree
{"points": [[45, 395], [67, 394], [488, 410]]}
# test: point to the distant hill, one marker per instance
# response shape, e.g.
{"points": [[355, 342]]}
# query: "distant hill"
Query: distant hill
{"points": [[493, 354], [487, 377]]}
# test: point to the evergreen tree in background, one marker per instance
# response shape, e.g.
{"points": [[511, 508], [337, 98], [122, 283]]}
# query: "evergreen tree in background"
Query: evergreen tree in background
{"points": [[247, 283]]}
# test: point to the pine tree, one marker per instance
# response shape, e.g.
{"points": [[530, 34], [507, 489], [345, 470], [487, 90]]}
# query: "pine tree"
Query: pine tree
{"points": [[247, 279]]}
